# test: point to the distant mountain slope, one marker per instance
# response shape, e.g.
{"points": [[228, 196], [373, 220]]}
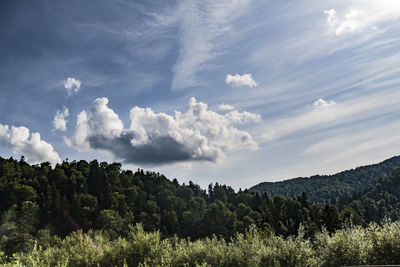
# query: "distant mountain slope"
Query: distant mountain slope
{"points": [[380, 200], [320, 188]]}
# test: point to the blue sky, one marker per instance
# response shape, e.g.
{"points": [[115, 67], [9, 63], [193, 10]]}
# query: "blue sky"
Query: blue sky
{"points": [[235, 92]]}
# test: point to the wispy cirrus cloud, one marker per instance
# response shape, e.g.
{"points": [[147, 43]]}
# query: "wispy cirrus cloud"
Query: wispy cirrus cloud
{"points": [[348, 144], [323, 114], [201, 23], [319, 113], [158, 138], [356, 146]]}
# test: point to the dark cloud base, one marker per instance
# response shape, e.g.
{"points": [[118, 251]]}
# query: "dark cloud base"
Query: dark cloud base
{"points": [[159, 150]]}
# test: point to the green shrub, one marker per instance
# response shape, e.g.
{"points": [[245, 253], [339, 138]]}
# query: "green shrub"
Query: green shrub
{"points": [[385, 241], [353, 245], [349, 246]]}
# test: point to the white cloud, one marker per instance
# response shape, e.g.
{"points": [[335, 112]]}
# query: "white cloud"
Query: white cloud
{"points": [[59, 121], [78, 138], [241, 80], [320, 103], [242, 117], [202, 22], [99, 120], [34, 149], [360, 16], [225, 107], [348, 24], [330, 17], [72, 85], [159, 138]]}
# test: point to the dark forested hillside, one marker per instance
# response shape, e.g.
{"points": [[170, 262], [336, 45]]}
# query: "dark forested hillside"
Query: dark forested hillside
{"points": [[321, 188], [381, 200], [37, 200]]}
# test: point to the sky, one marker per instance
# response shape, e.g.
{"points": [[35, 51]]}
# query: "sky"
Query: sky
{"points": [[236, 92]]}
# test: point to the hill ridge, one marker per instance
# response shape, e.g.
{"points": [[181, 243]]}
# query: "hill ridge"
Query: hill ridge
{"points": [[321, 188]]}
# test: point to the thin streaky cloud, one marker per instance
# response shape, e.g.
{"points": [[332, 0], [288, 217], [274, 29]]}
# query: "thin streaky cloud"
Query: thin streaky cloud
{"points": [[201, 23], [322, 114]]}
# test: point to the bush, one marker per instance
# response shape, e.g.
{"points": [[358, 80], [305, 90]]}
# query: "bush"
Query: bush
{"points": [[353, 245], [349, 246], [385, 243]]}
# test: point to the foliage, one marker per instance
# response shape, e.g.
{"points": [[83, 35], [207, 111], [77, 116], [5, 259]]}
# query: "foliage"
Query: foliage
{"points": [[352, 245], [379, 201], [38, 200], [81, 214], [322, 188]]}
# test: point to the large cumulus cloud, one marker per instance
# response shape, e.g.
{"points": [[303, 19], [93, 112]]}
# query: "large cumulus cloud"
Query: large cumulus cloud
{"points": [[34, 149], [159, 138]]}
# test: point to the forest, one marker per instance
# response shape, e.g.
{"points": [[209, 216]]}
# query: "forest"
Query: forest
{"points": [[321, 188], [94, 213]]}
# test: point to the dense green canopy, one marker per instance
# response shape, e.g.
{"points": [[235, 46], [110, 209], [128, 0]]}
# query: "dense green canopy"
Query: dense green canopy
{"points": [[321, 188], [38, 202]]}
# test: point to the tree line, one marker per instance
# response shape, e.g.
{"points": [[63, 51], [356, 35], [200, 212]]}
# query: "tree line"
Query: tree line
{"points": [[80, 195]]}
